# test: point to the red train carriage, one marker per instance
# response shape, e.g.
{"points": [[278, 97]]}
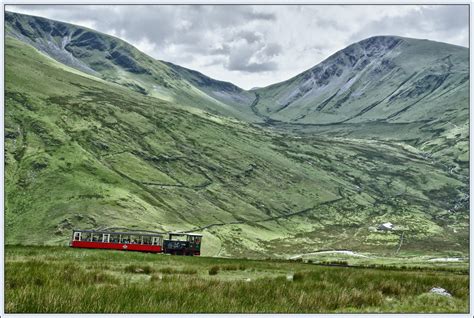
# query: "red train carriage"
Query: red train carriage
{"points": [[140, 241]]}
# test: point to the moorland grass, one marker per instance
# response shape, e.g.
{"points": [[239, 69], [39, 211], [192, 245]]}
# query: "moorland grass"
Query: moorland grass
{"points": [[55, 280]]}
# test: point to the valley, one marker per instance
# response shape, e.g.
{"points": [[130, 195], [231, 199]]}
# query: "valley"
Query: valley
{"points": [[98, 134]]}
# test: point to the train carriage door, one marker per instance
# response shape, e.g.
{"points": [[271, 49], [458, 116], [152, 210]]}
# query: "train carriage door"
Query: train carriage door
{"points": [[105, 238], [77, 236]]}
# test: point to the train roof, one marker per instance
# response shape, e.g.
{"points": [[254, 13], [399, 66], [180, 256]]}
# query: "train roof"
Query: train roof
{"points": [[135, 232], [132, 232]]}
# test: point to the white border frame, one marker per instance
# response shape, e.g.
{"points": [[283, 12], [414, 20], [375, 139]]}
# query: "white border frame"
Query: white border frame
{"points": [[228, 2]]}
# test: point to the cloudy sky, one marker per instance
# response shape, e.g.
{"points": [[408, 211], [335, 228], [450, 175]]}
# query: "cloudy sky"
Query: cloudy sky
{"points": [[258, 45]]}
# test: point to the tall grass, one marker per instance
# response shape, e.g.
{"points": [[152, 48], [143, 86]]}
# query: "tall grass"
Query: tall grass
{"points": [[214, 270], [69, 284], [184, 271]]}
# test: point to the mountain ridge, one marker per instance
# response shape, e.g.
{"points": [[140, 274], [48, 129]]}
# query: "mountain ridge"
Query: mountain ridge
{"points": [[401, 38], [313, 86], [115, 60]]}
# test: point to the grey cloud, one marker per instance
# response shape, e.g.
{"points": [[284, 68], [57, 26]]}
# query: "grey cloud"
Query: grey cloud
{"points": [[216, 61], [261, 67], [249, 36], [156, 22], [447, 21], [454, 17], [253, 58], [272, 49], [224, 49], [264, 16], [333, 23], [245, 66]]}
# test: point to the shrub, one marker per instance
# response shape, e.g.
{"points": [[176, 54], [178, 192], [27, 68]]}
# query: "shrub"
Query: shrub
{"points": [[167, 270], [334, 263], [214, 270], [184, 271], [298, 276], [229, 267]]}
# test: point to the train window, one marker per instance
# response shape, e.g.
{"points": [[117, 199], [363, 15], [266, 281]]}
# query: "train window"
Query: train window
{"points": [[134, 239], [114, 238], [147, 240], [96, 237], [175, 237], [106, 238], [156, 240], [194, 239], [126, 239], [86, 237], [77, 236]]}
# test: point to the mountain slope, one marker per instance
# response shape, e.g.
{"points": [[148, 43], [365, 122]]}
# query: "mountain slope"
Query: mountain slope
{"points": [[386, 88], [82, 152], [384, 78], [116, 61], [417, 89], [223, 91]]}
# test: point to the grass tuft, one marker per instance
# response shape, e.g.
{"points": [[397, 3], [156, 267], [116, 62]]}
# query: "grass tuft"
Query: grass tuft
{"points": [[214, 270], [139, 269], [184, 271]]}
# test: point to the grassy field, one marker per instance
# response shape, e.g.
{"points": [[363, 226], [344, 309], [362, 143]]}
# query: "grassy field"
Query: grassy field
{"points": [[63, 280]]}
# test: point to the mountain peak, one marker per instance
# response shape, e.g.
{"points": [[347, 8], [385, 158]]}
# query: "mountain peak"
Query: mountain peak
{"points": [[372, 47], [385, 42], [381, 78]]}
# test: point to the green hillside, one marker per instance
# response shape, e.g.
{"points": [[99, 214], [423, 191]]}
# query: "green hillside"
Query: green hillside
{"points": [[386, 88], [85, 152]]}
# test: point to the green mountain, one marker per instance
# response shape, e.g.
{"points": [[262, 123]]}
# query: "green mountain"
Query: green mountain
{"points": [[384, 87], [116, 61], [86, 148], [383, 78]]}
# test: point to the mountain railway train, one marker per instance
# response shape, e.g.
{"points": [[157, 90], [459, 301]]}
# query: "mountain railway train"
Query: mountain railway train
{"points": [[139, 241]]}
